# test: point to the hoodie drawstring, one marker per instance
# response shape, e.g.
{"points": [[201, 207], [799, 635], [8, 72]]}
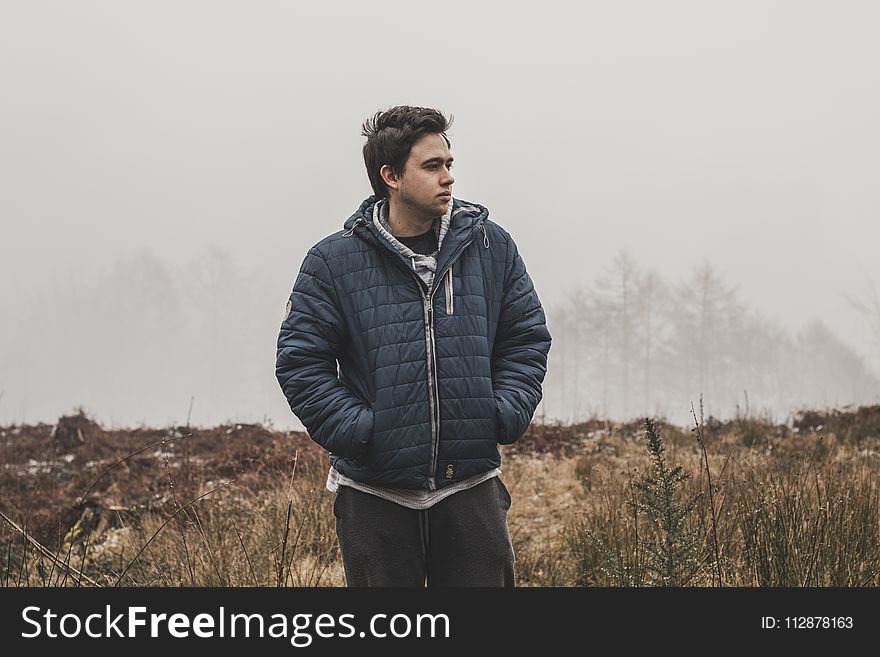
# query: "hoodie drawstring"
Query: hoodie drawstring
{"points": [[349, 232], [485, 236]]}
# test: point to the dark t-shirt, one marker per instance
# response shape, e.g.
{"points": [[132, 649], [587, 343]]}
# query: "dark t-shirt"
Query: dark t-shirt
{"points": [[426, 243]]}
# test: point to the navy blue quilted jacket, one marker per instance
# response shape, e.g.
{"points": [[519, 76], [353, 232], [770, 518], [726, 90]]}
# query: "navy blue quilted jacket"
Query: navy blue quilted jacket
{"points": [[428, 382]]}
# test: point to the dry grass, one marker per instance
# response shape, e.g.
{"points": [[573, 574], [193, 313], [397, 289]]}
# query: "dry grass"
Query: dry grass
{"points": [[792, 508], [801, 511]]}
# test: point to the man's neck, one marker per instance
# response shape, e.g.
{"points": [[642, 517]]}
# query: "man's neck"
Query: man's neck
{"points": [[404, 222]]}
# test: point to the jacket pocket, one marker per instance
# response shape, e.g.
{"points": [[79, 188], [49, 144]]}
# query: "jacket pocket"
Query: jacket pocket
{"points": [[360, 441]]}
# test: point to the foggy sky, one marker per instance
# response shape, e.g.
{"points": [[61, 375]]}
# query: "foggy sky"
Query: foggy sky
{"points": [[743, 134]]}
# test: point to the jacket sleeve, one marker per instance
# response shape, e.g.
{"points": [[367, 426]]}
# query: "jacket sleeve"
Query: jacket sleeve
{"points": [[519, 357], [306, 364]]}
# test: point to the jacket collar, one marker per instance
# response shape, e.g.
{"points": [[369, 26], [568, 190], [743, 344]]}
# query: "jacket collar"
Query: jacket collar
{"points": [[380, 221], [465, 219]]}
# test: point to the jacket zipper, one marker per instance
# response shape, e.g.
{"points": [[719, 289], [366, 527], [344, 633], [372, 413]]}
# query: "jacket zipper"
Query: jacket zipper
{"points": [[433, 394], [432, 387]]}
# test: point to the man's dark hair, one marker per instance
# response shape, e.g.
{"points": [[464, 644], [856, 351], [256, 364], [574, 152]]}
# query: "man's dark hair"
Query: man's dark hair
{"points": [[390, 137]]}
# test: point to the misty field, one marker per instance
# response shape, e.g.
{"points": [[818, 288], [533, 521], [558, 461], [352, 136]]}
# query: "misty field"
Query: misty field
{"points": [[594, 504]]}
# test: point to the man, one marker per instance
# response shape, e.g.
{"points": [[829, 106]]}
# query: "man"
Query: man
{"points": [[441, 345]]}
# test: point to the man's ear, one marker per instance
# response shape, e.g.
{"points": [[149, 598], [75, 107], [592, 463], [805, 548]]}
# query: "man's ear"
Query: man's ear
{"points": [[388, 176]]}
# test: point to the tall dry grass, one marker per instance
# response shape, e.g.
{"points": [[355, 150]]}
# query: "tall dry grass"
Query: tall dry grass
{"points": [[800, 511]]}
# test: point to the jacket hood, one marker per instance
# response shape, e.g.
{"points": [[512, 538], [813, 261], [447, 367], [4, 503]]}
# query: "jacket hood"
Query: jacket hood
{"points": [[466, 217]]}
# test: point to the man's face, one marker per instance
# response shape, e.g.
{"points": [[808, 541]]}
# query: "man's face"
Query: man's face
{"points": [[426, 178]]}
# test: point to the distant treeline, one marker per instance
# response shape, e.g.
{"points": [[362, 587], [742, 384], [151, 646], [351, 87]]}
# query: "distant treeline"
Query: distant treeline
{"points": [[633, 344]]}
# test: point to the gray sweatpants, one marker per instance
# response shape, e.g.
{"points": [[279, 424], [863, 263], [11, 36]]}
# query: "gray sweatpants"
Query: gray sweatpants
{"points": [[462, 540]]}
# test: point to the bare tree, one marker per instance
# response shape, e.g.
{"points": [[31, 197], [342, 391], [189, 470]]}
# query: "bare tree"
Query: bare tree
{"points": [[582, 344], [615, 290], [651, 298], [705, 315]]}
